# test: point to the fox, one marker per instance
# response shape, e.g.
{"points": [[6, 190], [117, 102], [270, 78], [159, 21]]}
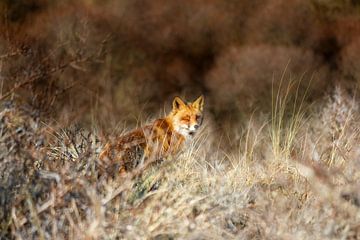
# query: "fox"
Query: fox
{"points": [[159, 140]]}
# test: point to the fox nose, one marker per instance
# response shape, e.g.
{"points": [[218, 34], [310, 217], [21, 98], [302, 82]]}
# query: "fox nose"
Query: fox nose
{"points": [[196, 126]]}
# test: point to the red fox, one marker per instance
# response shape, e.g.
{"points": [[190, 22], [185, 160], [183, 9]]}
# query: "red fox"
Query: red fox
{"points": [[163, 138]]}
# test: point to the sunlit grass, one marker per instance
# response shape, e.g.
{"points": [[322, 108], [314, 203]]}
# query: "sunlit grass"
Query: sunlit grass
{"points": [[262, 188]]}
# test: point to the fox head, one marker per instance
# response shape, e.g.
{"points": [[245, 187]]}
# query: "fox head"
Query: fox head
{"points": [[187, 117]]}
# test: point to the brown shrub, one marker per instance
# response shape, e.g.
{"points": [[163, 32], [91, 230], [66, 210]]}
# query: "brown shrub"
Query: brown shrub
{"points": [[156, 49], [282, 22], [350, 64], [243, 77]]}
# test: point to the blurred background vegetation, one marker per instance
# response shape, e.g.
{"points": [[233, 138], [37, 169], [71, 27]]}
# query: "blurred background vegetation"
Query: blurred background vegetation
{"points": [[278, 157], [107, 61]]}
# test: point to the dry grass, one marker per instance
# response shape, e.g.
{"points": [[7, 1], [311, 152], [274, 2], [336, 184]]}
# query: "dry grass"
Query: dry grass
{"points": [[277, 158], [289, 178]]}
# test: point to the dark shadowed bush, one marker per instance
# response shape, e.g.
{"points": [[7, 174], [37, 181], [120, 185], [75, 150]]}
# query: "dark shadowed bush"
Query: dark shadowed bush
{"points": [[248, 74], [119, 57]]}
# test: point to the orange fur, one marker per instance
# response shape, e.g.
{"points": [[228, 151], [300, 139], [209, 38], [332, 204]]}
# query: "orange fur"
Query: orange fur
{"points": [[163, 138]]}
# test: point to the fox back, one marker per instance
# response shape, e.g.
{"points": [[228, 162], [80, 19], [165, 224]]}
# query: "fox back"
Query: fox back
{"points": [[163, 138]]}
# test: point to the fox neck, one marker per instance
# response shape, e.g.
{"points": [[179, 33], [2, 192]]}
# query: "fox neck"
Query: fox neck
{"points": [[170, 119], [172, 125]]}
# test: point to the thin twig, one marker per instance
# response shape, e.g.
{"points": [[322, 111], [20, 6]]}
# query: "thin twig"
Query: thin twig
{"points": [[33, 78]]}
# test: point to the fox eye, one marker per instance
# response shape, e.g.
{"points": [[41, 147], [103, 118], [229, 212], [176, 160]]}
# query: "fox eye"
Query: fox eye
{"points": [[186, 118], [198, 117]]}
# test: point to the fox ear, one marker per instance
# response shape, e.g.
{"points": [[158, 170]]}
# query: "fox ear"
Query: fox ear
{"points": [[199, 103], [178, 103]]}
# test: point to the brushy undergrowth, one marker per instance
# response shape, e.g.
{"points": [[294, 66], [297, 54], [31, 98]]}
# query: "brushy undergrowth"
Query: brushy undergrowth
{"points": [[284, 181], [276, 158]]}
